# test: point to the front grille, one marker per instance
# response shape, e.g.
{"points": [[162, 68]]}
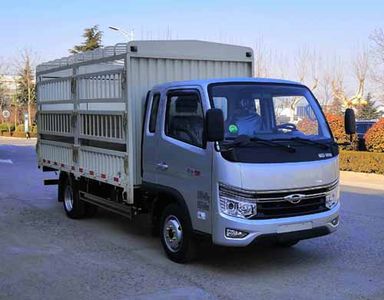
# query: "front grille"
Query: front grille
{"points": [[283, 209], [276, 204]]}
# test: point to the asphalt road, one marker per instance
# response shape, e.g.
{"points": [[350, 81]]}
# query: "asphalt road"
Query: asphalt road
{"points": [[44, 255]]}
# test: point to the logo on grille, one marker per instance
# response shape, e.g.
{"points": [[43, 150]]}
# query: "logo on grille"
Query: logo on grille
{"points": [[294, 198]]}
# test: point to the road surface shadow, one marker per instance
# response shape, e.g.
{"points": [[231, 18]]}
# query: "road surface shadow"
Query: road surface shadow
{"points": [[261, 255]]}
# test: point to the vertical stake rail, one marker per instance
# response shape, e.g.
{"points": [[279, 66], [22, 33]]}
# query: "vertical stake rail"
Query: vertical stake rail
{"points": [[38, 119], [76, 122], [128, 129]]}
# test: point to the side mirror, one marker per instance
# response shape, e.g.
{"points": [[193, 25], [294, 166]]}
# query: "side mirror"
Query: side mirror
{"points": [[349, 121], [214, 125]]}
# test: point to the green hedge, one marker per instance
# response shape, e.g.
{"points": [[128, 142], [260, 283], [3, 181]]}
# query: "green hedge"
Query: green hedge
{"points": [[17, 134], [4, 127], [18, 131], [20, 128], [374, 138], [362, 161]]}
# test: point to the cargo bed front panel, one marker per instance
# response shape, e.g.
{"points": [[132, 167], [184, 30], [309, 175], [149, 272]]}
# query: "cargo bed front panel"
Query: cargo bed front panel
{"points": [[146, 72]]}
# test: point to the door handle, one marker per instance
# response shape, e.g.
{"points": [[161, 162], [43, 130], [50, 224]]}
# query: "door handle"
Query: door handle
{"points": [[162, 166]]}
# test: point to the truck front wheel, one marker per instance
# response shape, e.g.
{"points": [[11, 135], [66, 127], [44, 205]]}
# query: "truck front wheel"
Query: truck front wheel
{"points": [[176, 235], [73, 206]]}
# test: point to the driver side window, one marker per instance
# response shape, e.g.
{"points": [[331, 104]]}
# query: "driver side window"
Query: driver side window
{"points": [[184, 118]]}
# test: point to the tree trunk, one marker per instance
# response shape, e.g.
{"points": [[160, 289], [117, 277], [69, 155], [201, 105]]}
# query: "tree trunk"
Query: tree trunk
{"points": [[29, 106], [16, 113]]}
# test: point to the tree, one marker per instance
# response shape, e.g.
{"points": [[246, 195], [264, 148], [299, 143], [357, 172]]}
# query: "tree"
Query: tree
{"points": [[368, 111], [92, 41], [325, 85], [3, 99], [378, 56], [25, 93], [262, 59], [4, 93], [336, 107], [307, 67], [360, 66], [338, 91], [304, 60]]}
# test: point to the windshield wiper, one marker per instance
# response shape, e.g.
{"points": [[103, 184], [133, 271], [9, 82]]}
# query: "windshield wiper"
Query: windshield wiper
{"points": [[288, 148], [245, 140], [309, 142]]}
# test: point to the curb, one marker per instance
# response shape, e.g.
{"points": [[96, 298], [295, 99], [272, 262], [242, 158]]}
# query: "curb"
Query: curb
{"points": [[362, 180], [16, 138]]}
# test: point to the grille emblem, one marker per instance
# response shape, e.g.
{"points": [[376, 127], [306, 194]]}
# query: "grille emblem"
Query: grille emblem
{"points": [[294, 198]]}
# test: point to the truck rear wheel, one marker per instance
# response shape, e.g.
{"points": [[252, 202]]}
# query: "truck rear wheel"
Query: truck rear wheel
{"points": [[73, 206], [176, 235]]}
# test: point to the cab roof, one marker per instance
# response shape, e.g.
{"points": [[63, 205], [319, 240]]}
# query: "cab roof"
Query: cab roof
{"points": [[205, 82]]}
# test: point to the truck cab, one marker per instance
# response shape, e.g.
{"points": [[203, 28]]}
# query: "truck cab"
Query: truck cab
{"points": [[246, 158]]}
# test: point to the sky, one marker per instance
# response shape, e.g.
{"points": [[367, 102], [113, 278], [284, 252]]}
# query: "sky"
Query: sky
{"points": [[49, 28]]}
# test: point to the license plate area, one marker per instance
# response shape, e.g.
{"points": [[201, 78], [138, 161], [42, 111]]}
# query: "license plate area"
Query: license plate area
{"points": [[294, 227]]}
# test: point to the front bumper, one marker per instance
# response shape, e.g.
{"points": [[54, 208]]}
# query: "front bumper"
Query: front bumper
{"points": [[299, 227]]}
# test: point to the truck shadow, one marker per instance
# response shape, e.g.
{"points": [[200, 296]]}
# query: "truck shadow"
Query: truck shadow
{"points": [[262, 256]]}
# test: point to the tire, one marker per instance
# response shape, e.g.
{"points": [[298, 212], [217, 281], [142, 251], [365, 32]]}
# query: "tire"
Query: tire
{"points": [[73, 206], [287, 244], [176, 235]]}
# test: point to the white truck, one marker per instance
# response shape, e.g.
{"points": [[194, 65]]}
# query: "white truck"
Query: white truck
{"points": [[180, 130]]}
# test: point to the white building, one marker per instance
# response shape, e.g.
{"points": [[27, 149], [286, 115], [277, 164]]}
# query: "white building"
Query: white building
{"points": [[9, 82], [380, 108]]}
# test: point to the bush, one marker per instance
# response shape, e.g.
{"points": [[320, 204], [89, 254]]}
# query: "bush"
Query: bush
{"points": [[4, 127], [20, 128], [6, 133], [336, 123], [360, 161], [307, 126], [374, 138]]}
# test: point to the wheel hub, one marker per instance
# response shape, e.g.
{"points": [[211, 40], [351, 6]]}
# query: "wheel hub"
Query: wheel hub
{"points": [[173, 233], [68, 198]]}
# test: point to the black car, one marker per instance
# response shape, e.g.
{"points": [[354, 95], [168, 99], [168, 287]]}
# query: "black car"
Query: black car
{"points": [[362, 127]]}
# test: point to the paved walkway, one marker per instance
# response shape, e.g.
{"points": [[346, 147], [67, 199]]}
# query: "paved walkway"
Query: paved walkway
{"points": [[4, 140], [362, 180]]}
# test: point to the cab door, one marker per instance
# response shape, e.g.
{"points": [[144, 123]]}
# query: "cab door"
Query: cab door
{"points": [[184, 162]]}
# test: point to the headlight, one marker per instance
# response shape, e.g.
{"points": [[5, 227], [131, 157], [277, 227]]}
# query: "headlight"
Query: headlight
{"points": [[332, 198], [235, 205]]}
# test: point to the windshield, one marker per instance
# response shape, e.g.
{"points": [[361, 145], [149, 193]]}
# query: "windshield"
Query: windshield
{"points": [[269, 111]]}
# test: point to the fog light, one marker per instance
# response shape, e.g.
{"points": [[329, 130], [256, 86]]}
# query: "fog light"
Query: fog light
{"points": [[235, 234], [335, 221]]}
